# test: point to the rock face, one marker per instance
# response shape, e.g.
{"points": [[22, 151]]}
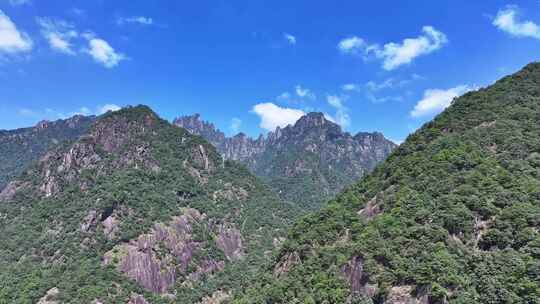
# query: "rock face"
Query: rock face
{"points": [[20, 147], [133, 204], [176, 245], [307, 162], [51, 297]]}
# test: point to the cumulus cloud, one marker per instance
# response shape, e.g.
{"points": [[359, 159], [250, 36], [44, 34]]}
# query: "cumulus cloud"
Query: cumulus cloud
{"points": [[135, 19], [436, 100], [236, 123], [341, 117], [507, 21], [12, 41], [395, 54], [352, 45], [273, 116], [103, 53], [59, 34], [290, 38]]}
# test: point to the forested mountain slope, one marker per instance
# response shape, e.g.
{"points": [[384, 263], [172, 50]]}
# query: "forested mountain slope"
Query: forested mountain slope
{"points": [[136, 210], [306, 163], [452, 216], [20, 147]]}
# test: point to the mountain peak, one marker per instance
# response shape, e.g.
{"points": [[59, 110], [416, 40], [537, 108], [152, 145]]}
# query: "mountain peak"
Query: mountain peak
{"points": [[315, 119]]}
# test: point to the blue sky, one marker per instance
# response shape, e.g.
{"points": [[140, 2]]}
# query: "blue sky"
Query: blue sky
{"points": [[252, 65]]}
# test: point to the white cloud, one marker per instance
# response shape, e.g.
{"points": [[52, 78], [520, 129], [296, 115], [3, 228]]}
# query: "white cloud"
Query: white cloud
{"points": [[135, 19], [273, 116], [436, 100], [12, 40], [507, 21], [106, 108], [352, 45], [59, 34], [290, 38], [103, 53], [303, 92], [395, 54], [235, 125], [341, 117]]}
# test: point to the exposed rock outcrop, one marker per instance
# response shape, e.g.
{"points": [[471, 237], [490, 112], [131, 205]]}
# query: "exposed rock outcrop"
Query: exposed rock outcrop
{"points": [[354, 274], [51, 297], [217, 297], [403, 295], [8, 193], [137, 299], [158, 259], [22, 147], [230, 241], [286, 263], [314, 153]]}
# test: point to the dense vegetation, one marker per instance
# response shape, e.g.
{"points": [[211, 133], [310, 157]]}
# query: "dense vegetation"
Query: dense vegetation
{"points": [[147, 179], [454, 213], [20, 148]]}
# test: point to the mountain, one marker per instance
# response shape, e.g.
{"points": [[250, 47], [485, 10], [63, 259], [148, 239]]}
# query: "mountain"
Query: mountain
{"points": [[20, 147], [306, 163], [135, 210], [452, 215]]}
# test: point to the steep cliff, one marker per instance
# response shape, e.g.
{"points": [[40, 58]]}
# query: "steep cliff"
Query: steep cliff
{"points": [[21, 147], [136, 210], [306, 163], [452, 216]]}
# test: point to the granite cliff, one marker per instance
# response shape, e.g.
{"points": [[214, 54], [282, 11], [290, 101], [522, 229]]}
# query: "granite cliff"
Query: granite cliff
{"points": [[306, 163], [135, 210]]}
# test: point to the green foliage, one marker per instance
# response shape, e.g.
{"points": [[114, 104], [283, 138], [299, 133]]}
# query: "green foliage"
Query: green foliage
{"points": [[460, 203], [20, 148], [43, 245]]}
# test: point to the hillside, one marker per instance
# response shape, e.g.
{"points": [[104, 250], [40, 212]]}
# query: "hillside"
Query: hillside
{"points": [[452, 216], [306, 163], [136, 210], [21, 147]]}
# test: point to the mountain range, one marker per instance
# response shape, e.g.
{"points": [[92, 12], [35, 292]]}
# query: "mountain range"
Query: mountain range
{"points": [[452, 216], [306, 163], [135, 210], [129, 208], [21, 147]]}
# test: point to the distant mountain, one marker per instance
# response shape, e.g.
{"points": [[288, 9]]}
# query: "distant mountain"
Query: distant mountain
{"points": [[306, 163], [135, 210], [452, 216], [20, 147]]}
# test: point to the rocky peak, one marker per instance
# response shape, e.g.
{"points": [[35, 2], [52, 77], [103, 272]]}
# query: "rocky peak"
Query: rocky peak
{"points": [[195, 125], [312, 144], [43, 124], [312, 119]]}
